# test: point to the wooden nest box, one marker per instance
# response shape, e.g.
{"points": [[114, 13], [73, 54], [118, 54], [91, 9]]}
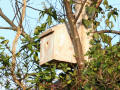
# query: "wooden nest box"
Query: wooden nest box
{"points": [[56, 45]]}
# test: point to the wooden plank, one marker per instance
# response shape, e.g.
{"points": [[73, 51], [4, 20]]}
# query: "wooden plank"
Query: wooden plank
{"points": [[45, 33]]}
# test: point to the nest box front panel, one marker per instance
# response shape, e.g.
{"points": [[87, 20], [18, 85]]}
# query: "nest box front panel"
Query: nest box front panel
{"points": [[46, 49]]}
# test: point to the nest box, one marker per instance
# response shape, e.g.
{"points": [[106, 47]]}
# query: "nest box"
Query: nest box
{"points": [[56, 45]]}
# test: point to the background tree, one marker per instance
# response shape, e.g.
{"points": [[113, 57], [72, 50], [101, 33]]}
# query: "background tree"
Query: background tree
{"points": [[83, 18]]}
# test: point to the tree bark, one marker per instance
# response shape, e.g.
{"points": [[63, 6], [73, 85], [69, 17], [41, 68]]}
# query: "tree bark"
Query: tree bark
{"points": [[78, 33], [80, 15], [74, 35], [19, 32]]}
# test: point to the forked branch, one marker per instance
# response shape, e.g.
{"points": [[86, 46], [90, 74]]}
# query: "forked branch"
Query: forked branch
{"points": [[80, 11], [75, 38], [13, 26], [82, 6], [19, 31]]}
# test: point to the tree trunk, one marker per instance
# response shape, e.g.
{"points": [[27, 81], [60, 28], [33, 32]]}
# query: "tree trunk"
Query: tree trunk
{"points": [[78, 34], [84, 38], [73, 32]]}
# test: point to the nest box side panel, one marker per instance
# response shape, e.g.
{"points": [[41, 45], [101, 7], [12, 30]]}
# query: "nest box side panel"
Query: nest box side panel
{"points": [[63, 48], [46, 48]]}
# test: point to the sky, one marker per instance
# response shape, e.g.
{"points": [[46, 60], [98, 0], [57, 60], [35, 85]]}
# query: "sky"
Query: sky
{"points": [[32, 17], [115, 4]]}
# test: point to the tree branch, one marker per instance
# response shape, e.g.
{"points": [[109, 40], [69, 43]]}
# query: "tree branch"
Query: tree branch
{"points": [[8, 28], [80, 11], [14, 27], [19, 32], [30, 7], [7, 19], [74, 36], [98, 3], [82, 6], [108, 31]]}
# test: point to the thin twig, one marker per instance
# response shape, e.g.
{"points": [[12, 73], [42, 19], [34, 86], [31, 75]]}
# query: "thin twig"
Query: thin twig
{"points": [[30, 7], [24, 34], [12, 28], [6, 19], [8, 48], [98, 3], [108, 31], [80, 11]]}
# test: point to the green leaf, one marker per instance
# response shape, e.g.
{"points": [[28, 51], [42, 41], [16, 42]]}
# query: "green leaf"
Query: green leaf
{"points": [[114, 17], [30, 46], [68, 68], [106, 39], [105, 3], [2, 38], [40, 29], [96, 24], [86, 23], [7, 85], [118, 54], [36, 31], [107, 22], [71, 2], [95, 69], [115, 13], [62, 20], [96, 36], [90, 11], [110, 70], [3, 67], [5, 42], [68, 82], [118, 67], [42, 13], [49, 20], [35, 56], [111, 24], [109, 15], [54, 15]]}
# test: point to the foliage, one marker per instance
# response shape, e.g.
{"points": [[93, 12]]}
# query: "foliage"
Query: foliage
{"points": [[101, 73]]}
